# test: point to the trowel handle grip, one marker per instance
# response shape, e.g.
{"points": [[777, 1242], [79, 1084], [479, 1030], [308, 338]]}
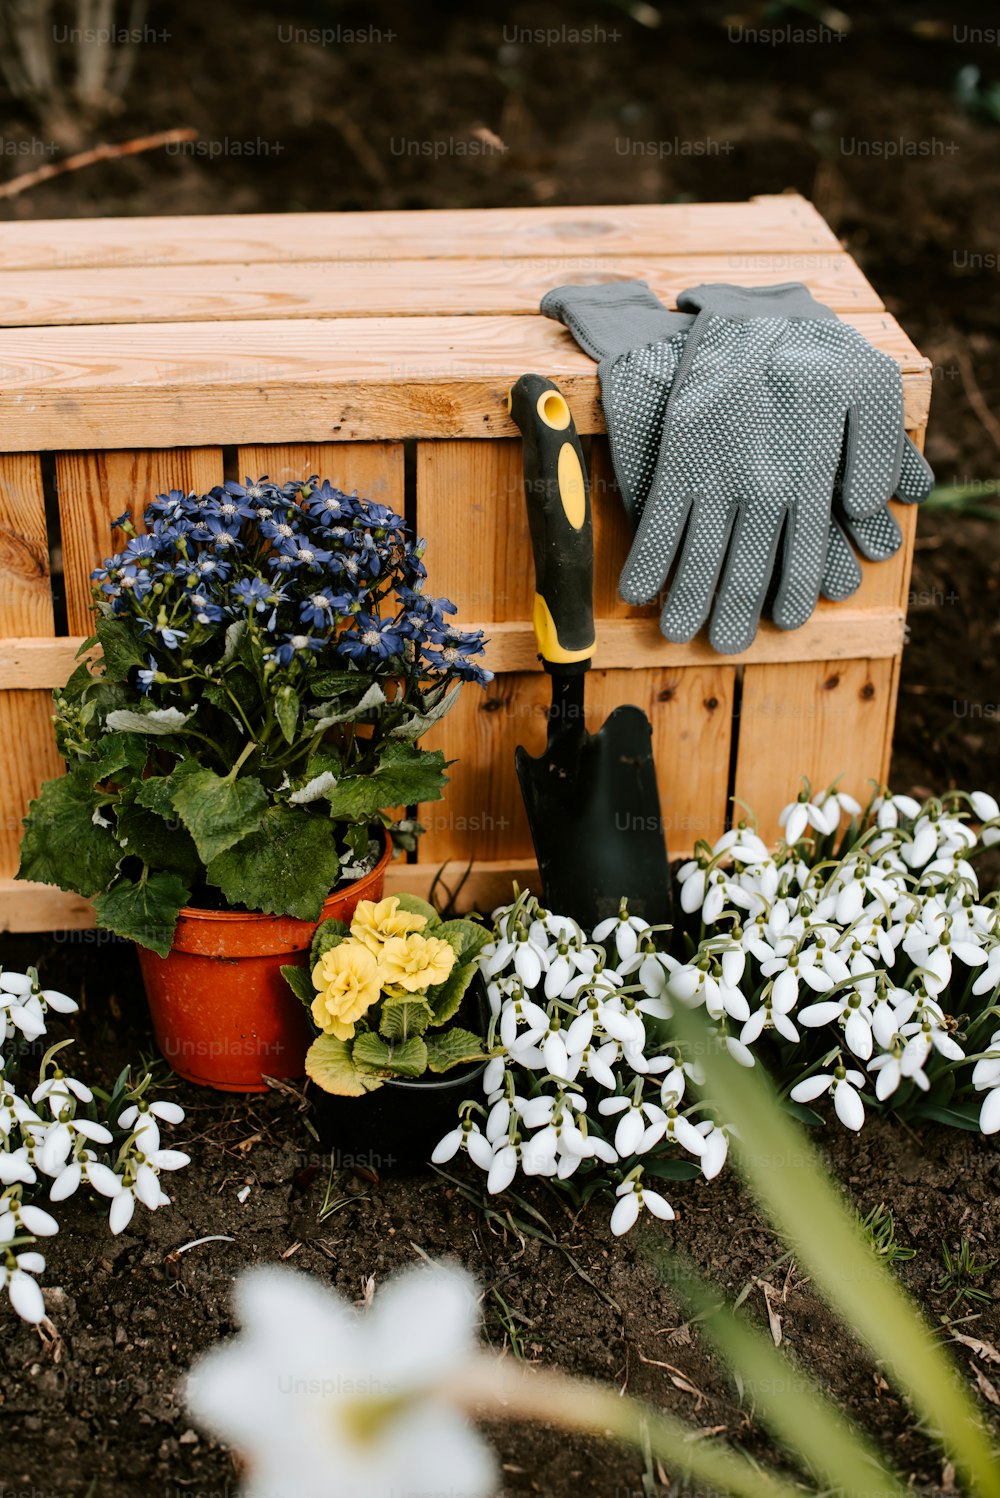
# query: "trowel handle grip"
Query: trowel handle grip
{"points": [[558, 499]]}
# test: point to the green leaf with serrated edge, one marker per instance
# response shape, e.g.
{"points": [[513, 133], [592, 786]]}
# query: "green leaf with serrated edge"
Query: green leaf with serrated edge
{"points": [[287, 866], [143, 834], [402, 1018], [407, 1059], [157, 793], [447, 996], [417, 725], [404, 774], [453, 1048], [336, 683], [217, 811], [300, 982], [145, 912], [62, 844], [286, 710], [329, 933], [121, 649], [329, 1065], [466, 937], [77, 684], [114, 752], [413, 905]]}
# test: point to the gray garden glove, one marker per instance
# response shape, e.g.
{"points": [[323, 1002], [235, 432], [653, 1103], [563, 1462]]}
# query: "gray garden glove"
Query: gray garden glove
{"points": [[637, 380]]}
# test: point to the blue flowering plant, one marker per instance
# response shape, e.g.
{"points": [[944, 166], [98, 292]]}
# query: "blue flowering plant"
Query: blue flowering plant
{"points": [[247, 736]]}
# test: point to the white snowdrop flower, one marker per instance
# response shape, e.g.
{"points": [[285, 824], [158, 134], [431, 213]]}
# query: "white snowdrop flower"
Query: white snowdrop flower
{"points": [[888, 1075], [800, 814], [502, 1169], [715, 1150], [831, 805], [25, 1295], [632, 1197], [889, 810], [60, 1091], [692, 879], [626, 930], [122, 1210], [845, 1086], [989, 1113], [365, 1407], [631, 1124]]}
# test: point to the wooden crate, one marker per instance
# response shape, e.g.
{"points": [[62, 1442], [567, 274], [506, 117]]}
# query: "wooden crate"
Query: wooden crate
{"points": [[142, 354]]}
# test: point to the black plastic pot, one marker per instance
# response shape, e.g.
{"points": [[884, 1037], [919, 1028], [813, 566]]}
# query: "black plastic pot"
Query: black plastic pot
{"points": [[395, 1128]]}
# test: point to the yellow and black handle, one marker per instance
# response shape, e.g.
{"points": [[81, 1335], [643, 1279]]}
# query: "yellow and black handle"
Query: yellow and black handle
{"points": [[558, 499]]}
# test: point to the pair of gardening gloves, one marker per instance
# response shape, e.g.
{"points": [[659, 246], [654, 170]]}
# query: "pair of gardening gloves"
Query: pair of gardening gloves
{"points": [[752, 420]]}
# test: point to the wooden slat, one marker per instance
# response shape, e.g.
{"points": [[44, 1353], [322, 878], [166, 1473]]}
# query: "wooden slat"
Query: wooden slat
{"points": [[95, 487], [482, 815], [25, 592], [374, 469], [42, 907], [380, 288], [825, 720], [29, 757], [346, 379], [470, 506], [784, 224]]}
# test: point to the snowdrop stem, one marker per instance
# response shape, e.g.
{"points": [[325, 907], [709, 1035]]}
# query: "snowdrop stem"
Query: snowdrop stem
{"points": [[568, 1403]]}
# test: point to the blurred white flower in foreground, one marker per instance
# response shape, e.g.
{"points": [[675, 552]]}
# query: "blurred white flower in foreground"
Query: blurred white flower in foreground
{"points": [[324, 1402]]}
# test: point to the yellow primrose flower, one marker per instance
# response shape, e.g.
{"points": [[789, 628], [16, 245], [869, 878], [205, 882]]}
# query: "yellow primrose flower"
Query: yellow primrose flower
{"points": [[374, 923], [347, 977], [415, 962]]}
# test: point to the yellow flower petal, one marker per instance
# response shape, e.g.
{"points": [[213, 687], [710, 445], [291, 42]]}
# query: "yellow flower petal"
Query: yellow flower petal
{"points": [[375, 922], [415, 962]]}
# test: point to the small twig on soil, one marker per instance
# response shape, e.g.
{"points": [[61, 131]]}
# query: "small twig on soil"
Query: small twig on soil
{"points": [[82, 159], [197, 1242]]}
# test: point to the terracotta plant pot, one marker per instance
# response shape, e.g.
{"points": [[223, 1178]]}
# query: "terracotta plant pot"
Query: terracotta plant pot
{"points": [[224, 1016]]}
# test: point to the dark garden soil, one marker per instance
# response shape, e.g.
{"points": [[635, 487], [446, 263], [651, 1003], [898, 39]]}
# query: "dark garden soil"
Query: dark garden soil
{"points": [[96, 1411]]}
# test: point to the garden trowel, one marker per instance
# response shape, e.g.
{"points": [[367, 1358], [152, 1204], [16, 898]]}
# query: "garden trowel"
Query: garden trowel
{"points": [[592, 800]]}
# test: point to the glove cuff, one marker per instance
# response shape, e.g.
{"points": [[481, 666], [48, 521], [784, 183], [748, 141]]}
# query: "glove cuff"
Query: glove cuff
{"points": [[790, 299], [614, 317]]}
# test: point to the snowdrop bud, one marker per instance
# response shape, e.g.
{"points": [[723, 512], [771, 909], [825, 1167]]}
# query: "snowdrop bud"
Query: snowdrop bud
{"points": [[493, 1075], [25, 1297], [502, 1170], [122, 1208]]}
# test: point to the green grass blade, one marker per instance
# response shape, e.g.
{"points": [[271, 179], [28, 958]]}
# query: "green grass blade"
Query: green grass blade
{"points": [[790, 1181], [791, 1404]]}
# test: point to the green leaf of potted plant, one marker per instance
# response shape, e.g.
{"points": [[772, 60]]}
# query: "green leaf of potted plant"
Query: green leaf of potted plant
{"points": [[268, 661], [391, 996]]}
